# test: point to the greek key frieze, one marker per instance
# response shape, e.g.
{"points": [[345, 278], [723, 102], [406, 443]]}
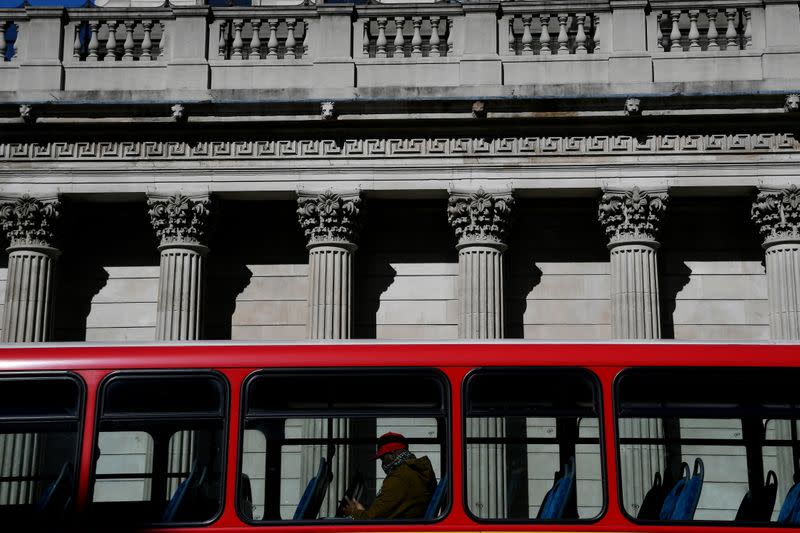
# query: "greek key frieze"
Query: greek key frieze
{"points": [[400, 148]]}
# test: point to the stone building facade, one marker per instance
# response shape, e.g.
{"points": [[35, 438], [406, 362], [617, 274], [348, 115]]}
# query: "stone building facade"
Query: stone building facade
{"points": [[590, 170]]}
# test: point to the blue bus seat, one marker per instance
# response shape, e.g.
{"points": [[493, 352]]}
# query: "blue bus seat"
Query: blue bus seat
{"points": [[690, 495], [674, 494], [195, 478], [311, 501], [759, 508], [437, 500], [57, 497], [556, 499], [790, 510]]}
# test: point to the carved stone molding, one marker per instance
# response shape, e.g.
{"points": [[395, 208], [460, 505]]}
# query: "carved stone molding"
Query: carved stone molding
{"points": [[380, 148], [329, 217], [180, 219], [777, 215], [480, 217], [28, 221], [632, 215]]}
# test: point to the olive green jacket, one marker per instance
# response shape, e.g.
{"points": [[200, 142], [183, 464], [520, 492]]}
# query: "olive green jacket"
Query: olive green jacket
{"points": [[405, 493]]}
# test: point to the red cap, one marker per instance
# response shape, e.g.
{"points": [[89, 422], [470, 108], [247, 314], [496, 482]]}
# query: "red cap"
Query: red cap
{"points": [[390, 442]]}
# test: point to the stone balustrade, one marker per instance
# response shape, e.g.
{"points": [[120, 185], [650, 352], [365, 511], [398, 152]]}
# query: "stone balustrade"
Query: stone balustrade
{"points": [[545, 33], [323, 46], [270, 38], [707, 29]]}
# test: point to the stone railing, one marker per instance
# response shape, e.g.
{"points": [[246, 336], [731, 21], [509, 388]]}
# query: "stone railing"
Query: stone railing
{"points": [[270, 38], [545, 33], [319, 46], [707, 29]]}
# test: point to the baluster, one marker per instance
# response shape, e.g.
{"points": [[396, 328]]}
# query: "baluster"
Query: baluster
{"points": [[237, 39], [111, 42], [675, 35], [416, 40], [660, 22], [563, 39], [544, 37], [712, 33], [222, 48], [694, 33], [731, 36], [147, 42], [130, 25], [94, 42], [301, 51], [162, 40], [380, 44], [3, 44], [434, 41], [365, 36], [595, 34], [451, 39], [255, 40], [748, 30], [580, 36], [527, 37], [272, 44], [399, 40], [511, 39], [77, 45], [291, 42]]}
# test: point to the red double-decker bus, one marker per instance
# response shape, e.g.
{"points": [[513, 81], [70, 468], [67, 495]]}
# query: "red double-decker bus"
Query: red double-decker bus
{"points": [[521, 436]]}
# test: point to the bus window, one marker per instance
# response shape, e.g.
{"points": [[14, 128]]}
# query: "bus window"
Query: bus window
{"points": [[703, 444], [309, 439], [533, 445], [40, 420], [159, 450]]}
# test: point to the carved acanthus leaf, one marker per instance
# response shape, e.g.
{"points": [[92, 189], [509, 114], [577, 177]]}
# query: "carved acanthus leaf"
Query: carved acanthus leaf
{"points": [[777, 214], [632, 215], [480, 217], [180, 219], [28, 220], [329, 217]]}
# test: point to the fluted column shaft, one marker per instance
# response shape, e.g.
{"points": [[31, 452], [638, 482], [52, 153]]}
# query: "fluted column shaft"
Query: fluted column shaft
{"points": [[480, 221], [28, 315], [480, 275], [776, 213], [631, 219], [330, 291], [180, 292], [634, 291]]}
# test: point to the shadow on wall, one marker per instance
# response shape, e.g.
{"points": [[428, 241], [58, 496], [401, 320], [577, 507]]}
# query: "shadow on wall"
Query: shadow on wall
{"points": [[93, 238], [415, 237], [247, 235], [562, 231], [714, 240]]}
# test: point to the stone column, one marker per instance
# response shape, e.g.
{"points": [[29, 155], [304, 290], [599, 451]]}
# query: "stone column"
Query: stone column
{"points": [[330, 223], [181, 224], [481, 221], [776, 213], [631, 219], [27, 317]]}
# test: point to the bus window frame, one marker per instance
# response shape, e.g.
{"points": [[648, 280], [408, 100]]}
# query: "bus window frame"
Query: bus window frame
{"points": [[597, 385], [80, 416], [617, 405], [225, 430], [445, 388]]}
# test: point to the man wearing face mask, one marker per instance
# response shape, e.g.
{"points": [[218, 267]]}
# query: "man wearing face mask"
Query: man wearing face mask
{"points": [[407, 488]]}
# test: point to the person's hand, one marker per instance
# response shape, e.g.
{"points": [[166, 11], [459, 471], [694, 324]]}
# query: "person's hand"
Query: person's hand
{"points": [[352, 506]]}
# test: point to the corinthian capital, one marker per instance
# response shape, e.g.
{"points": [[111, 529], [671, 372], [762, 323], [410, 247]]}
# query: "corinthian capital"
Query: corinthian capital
{"points": [[632, 215], [329, 218], [776, 212], [480, 217], [29, 221], [180, 219]]}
